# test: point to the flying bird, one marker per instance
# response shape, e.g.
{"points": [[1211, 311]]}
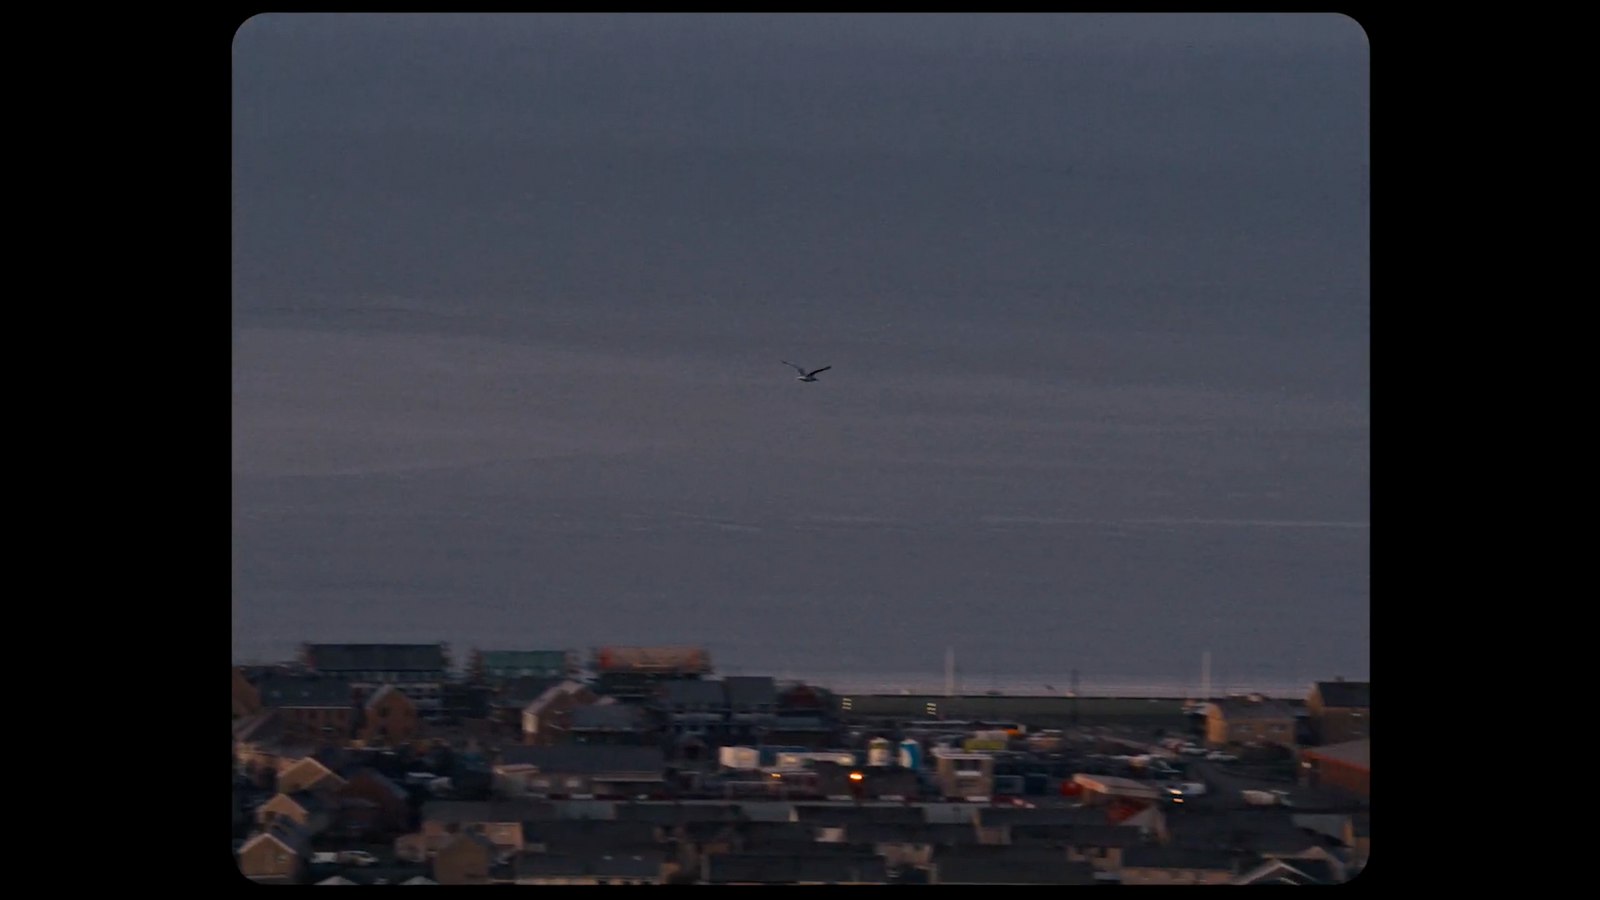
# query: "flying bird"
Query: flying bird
{"points": [[804, 375]]}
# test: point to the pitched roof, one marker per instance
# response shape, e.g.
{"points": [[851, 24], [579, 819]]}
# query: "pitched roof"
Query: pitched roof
{"points": [[935, 833], [1272, 830], [376, 657], [471, 837], [1297, 871], [693, 690], [1048, 815], [383, 693], [384, 782], [1015, 867], [677, 813], [536, 660], [593, 760], [307, 801], [633, 864], [769, 869], [305, 693], [1105, 836], [1246, 708], [607, 717], [519, 692], [551, 693], [592, 834], [751, 690], [826, 815], [1176, 858], [769, 832], [1346, 694], [502, 812], [1352, 753], [283, 831], [264, 725]]}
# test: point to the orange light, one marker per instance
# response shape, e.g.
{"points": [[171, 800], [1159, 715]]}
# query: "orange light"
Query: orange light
{"points": [[855, 776]]}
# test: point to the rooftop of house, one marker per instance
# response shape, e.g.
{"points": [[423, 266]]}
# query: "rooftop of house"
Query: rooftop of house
{"points": [[572, 834], [385, 693], [501, 812], [517, 693], [1047, 815], [798, 723], [549, 660], [552, 693], [641, 864], [471, 837], [352, 658], [1189, 859], [1352, 753], [693, 692], [384, 782], [607, 717], [310, 802], [757, 868], [1269, 829], [283, 831], [260, 726], [751, 691], [305, 693], [935, 833], [1012, 865], [591, 760], [1345, 694], [769, 832], [677, 813], [1297, 871], [1250, 708], [830, 815], [1101, 836]]}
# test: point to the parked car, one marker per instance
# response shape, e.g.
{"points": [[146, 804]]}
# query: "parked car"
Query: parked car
{"points": [[357, 857]]}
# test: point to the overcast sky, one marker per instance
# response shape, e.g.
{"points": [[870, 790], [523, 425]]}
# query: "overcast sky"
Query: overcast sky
{"points": [[510, 294]]}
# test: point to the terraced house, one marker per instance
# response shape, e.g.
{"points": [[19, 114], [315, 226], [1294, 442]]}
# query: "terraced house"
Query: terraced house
{"points": [[500, 666], [419, 670], [1341, 711], [1250, 719]]}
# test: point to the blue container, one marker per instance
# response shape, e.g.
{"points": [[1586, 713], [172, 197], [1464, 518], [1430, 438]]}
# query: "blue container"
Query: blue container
{"points": [[911, 754]]}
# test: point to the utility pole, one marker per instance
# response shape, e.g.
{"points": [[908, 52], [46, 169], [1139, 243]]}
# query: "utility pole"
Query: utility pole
{"points": [[950, 671], [1205, 677], [1074, 696]]}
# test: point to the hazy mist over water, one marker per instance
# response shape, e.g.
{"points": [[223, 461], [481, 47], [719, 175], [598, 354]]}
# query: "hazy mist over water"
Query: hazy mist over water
{"points": [[510, 294]]}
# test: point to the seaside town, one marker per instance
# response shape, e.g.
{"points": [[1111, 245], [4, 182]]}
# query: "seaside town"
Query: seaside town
{"points": [[397, 764]]}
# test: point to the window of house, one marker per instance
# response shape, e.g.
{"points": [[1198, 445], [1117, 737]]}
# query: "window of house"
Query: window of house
{"points": [[574, 782]]}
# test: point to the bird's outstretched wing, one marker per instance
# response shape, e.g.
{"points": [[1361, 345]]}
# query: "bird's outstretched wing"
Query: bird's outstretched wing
{"points": [[792, 366], [819, 371]]}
